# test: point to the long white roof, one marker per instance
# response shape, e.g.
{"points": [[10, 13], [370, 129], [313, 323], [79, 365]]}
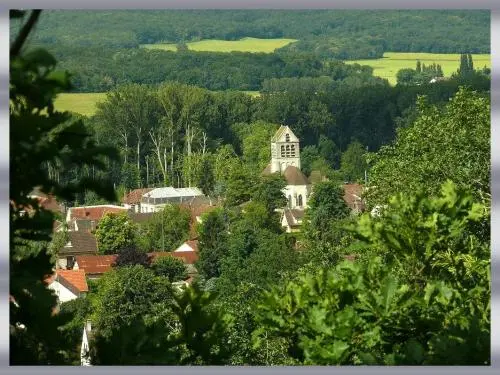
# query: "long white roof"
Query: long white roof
{"points": [[171, 192]]}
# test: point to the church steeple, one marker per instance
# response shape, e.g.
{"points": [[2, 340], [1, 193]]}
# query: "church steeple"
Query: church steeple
{"points": [[285, 150]]}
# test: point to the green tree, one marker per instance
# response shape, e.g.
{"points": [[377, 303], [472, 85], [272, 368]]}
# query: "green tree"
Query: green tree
{"points": [[212, 243], [130, 256], [81, 310], [329, 151], [403, 304], [169, 267], [166, 229], [239, 186], [439, 71], [326, 205], [269, 192], [40, 137], [255, 139], [114, 233], [353, 163], [406, 76], [443, 143]]}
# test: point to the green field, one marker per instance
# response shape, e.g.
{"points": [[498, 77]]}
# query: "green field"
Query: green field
{"points": [[215, 45], [82, 103], [388, 66], [85, 103]]}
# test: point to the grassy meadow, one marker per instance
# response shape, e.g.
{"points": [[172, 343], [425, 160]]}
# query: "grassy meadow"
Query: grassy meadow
{"points": [[388, 66], [215, 45], [81, 103], [85, 103]]}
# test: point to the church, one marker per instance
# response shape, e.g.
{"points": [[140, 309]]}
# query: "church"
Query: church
{"points": [[285, 159]]}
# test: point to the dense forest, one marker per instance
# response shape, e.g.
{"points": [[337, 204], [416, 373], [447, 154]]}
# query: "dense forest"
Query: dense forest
{"points": [[102, 49], [355, 33], [406, 283]]}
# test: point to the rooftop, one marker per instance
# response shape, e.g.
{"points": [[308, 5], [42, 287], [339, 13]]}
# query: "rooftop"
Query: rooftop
{"points": [[352, 196], [80, 242], [74, 280], [134, 196], [294, 176], [171, 192], [93, 212]]}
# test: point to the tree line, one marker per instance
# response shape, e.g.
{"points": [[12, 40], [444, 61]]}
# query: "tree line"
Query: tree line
{"points": [[327, 33], [181, 135]]}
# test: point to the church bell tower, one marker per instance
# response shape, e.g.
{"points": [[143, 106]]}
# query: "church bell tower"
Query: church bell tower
{"points": [[285, 150]]}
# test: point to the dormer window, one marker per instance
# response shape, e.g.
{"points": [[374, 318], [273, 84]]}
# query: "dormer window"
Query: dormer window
{"points": [[287, 137]]}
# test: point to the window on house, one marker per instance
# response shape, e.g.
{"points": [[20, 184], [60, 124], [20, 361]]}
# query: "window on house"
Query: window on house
{"points": [[287, 151], [292, 149], [287, 137], [282, 151], [300, 200]]}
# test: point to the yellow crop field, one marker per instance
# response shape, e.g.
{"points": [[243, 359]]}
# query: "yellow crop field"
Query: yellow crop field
{"points": [[215, 45], [388, 66], [82, 103]]}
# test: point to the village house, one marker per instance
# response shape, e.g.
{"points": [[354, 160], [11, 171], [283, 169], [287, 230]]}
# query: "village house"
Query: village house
{"points": [[79, 243], [132, 200], [68, 284]]}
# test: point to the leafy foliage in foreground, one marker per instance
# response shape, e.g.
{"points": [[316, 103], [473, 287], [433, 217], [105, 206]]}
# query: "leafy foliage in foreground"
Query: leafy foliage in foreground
{"points": [[443, 143], [44, 143], [420, 296]]}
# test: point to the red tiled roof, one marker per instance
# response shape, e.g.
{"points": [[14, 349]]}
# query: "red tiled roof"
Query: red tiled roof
{"points": [[95, 264], [74, 277], [193, 244], [74, 280], [50, 204], [99, 264], [94, 212], [352, 196], [189, 257], [134, 197]]}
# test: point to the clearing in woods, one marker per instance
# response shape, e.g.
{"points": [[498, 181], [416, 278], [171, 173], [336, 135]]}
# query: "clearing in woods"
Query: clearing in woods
{"points": [[389, 65], [215, 45], [83, 103]]}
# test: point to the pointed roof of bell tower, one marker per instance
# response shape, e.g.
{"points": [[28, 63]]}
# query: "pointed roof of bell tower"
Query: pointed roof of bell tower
{"points": [[281, 135]]}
